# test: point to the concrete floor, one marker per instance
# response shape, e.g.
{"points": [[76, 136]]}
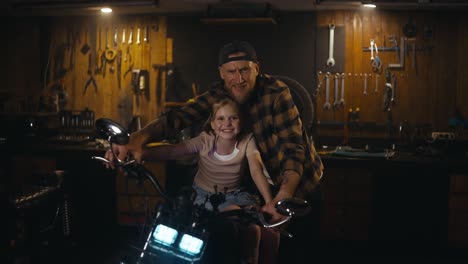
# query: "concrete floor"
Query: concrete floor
{"points": [[116, 246]]}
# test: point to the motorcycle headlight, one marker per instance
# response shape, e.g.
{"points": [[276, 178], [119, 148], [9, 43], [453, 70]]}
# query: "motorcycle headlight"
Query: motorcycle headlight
{"points": [[165, 234], [191, 244], [177, 243]]}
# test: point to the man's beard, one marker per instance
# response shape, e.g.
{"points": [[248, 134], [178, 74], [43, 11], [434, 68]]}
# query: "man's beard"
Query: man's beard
{"points": [[240, 99]]}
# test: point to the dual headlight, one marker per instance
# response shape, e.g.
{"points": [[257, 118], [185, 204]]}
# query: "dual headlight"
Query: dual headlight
{"points": [[180, 244]]}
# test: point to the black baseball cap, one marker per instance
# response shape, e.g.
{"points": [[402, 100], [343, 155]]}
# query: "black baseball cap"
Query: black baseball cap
{"points": [[234, 47]]}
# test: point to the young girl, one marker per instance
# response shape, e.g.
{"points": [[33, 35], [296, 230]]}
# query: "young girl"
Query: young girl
{"points": [[221, 152]]}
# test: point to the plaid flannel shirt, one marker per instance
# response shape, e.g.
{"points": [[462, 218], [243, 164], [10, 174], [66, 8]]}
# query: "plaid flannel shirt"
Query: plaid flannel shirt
{"points": [[275, 122]]}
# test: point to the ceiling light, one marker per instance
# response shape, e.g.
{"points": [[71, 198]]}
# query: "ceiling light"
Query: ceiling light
{"points": [[106, 10], [368, 4]]}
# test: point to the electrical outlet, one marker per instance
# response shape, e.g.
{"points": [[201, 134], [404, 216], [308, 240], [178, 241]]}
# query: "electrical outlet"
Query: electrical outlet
{"points": [[443, 136]]}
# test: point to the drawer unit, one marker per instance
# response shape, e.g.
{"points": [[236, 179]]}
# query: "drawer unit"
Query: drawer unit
{"points": [[458, 211], [346, 204]]}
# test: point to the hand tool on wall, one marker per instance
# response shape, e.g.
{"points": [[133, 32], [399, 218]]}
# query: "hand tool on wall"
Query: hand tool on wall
{"points": [[145, 35], [376, 63], [128, 56], [103, 64], [110, 52], [130, 37], [115, 50], [71, 43], [331, 60], [409, 29], [107, 46], [337, 81], [327, 105], [85, 48], [98, 68], [91, 79], [319, 83], [118, 60], [387, 97], [123, 37], [116, 34], [401, 54], [140, 82], [388, 91], [394, 79], [138, 36], [365, 83], [342, 101]]}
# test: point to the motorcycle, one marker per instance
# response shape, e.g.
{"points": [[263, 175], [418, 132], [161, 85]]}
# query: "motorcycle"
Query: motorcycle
{"points": [[179, 230]]}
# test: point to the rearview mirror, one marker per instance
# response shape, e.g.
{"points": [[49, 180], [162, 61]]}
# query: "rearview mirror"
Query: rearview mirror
{"points": [[112, 131], [293, 206]]}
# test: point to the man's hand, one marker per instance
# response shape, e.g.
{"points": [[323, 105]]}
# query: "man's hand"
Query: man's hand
{"points": [[289, 181], [120, 152], [269, 208]]}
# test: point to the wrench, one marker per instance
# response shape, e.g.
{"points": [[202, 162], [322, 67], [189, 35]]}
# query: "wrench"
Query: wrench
{"points": [[327, 105], [376, 62], [394, 83], [98, 69], [138, 37], [145, 37], [336, 103], [116, 34], [342, 103], [130, 37], [331, 60]]}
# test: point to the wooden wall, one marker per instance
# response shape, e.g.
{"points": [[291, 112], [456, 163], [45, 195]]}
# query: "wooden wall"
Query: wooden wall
{"points": [[114, 100], [36, 72], [429, 87], [432, 82]]}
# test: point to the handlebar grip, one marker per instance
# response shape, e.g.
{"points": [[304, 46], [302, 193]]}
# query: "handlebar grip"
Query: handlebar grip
{"points": [[101, 159], [261, 217]]}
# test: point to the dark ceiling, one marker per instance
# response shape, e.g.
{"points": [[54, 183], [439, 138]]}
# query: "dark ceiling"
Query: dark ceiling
{"points": [[90, 7]]}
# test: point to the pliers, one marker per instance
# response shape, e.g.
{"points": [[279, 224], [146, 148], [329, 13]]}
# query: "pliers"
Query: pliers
{"points": [[91, 76], [93, 81]]}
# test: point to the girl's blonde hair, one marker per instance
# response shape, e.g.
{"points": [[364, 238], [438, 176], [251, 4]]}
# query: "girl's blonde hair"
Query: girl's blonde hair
{"points": [[223, 102]]}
